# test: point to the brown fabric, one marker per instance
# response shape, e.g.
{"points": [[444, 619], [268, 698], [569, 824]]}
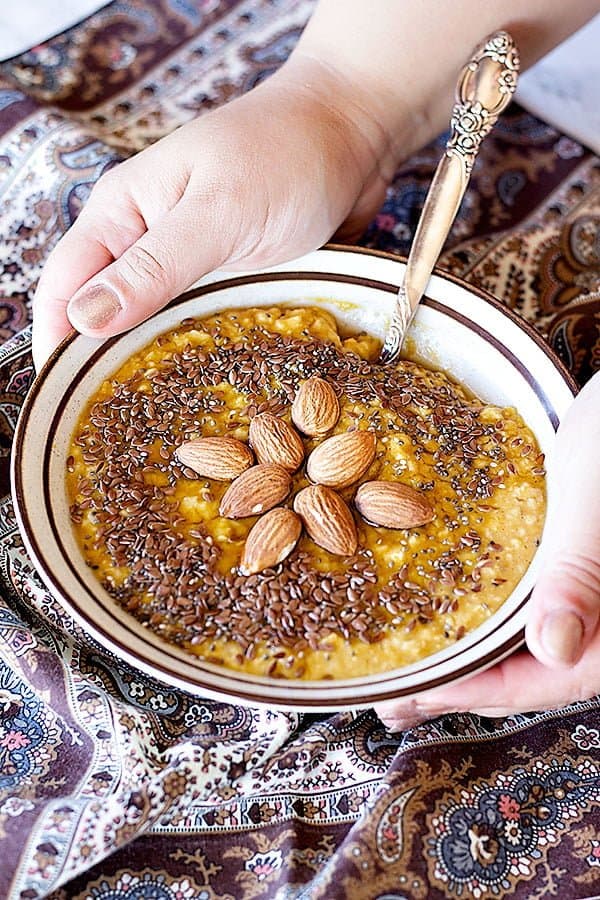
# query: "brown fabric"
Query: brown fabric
{"points": [[114, 787]]}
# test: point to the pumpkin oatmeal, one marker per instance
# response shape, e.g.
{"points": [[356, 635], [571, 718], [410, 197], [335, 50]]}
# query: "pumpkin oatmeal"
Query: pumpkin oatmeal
{"points": [[422, 511]]}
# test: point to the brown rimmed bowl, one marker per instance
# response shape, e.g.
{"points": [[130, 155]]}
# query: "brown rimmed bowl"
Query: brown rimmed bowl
{"points": [[458, 328]]}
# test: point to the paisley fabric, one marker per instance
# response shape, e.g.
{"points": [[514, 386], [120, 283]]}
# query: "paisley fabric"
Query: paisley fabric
{"points": [[115, 787]]}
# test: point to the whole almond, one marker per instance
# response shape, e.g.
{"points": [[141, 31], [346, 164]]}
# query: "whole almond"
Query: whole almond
{"points": [[392, 505], [270, 540], [342, 459], [316, 408], [327, 519], [221, 458], [255, 491], [276, 441]]}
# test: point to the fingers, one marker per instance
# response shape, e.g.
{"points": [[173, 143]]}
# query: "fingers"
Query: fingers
{"points": [[164, 261], [518, 684], [107, 225], [76, 258], [565, 605], [98, 270], [109, 273]]}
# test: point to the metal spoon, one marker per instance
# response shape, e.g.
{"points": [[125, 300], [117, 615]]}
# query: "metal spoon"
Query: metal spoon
{"points": [[484, 90]]}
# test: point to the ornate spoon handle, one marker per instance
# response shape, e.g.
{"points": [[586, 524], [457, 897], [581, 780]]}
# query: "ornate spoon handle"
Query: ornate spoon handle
{"points": [[484, 89]]}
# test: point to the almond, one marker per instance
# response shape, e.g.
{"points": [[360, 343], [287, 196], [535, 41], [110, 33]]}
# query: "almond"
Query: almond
{"points": [[255, 491], [392, 505], [327, 519], [221, 458], [342, 459], [316, 408], [270, 540], [276, 441]]}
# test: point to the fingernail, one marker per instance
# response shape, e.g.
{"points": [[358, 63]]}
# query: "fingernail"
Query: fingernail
{"points": [[401, 724], [562, 636], [408, 717], [94, 307]]}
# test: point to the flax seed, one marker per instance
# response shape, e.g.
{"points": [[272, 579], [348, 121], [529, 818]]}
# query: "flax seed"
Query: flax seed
{"points": [[129, 440]]}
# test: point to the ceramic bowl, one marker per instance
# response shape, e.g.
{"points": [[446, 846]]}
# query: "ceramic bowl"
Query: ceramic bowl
{"points": [[458, 328]]}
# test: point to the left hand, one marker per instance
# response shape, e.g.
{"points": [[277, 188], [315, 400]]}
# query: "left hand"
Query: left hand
{"points": [[262, 179], [562, 663]]}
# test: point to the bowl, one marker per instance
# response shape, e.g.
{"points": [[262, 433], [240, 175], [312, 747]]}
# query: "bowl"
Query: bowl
{"points": [[458, 328]]}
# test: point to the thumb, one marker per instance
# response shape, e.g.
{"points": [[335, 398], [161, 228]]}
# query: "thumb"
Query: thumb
{"points": [[565, 604], [175, 251]]}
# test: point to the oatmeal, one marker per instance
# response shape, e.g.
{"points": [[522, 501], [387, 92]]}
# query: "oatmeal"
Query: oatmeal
{"points": [[170, 547]]}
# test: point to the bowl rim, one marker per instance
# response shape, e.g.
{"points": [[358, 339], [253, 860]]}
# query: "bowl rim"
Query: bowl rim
{"points": [[236, 692], [232, 277]]}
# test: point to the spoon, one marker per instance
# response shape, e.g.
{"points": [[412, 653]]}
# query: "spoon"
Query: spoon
{"points": [[485, 88]]}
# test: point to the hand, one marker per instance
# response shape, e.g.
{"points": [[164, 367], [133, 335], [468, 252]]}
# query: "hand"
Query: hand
{"points": [[274, 173], [563, 634], [263, 179]]}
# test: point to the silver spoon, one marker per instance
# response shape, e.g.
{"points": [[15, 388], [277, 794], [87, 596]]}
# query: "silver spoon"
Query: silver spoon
{"points": [[484, 90]]}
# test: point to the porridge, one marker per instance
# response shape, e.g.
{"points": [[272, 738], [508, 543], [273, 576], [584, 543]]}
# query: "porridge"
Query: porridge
{"points": [[254, 487]]}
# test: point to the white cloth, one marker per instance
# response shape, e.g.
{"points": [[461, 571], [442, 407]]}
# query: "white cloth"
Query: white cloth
{"points": [[29, 22], [563, 88]]}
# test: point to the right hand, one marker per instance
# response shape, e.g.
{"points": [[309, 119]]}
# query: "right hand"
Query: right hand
{"points": [[561, 665], [265, 178]]}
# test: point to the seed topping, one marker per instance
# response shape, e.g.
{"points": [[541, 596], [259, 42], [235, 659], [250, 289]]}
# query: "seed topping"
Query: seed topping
{"points": [[174, 578]]}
